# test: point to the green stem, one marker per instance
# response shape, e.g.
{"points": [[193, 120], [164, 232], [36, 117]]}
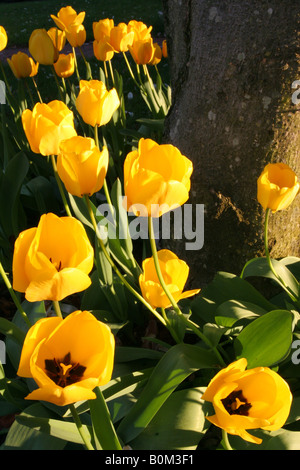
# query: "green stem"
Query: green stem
{"points": [[37, 90], [281, 281], [76, 65], [226, 440], [57, 83], [57, 309], [187, 321], [111, 73], [130, 70], [115, 268], [61, 190], [85, 438], [107, 435], [13, 295]]}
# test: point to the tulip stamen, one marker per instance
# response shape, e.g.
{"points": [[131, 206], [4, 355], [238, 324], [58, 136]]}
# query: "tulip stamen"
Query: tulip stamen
{"points": [[236, 403], [56, 265], [64, 372]]}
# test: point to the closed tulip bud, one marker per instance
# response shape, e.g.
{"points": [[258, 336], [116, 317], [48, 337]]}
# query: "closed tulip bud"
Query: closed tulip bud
{"points": [[156, 179], [42, 48], [53, 260], [76, 35], [142, 51], [58, 38], [120, 38], [277, 187], [82, 167], [95, 103], [164, 48], [65, 65], [102, 29], [248, 399], [67, 358], [22, 65], [103, 50], [175, 273], [157, 54], [3, 38], [47, 125], [66, 17]]}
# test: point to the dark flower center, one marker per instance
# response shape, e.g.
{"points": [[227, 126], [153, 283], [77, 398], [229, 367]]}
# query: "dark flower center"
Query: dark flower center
{"points": [[57, 266], [63, 372], [236, 403]]}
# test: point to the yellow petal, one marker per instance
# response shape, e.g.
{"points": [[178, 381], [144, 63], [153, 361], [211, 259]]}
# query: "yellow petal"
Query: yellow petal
{"points": [[34, 336]]}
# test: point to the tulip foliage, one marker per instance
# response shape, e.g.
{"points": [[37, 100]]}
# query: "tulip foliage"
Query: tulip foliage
{"points": [[108, 348]]}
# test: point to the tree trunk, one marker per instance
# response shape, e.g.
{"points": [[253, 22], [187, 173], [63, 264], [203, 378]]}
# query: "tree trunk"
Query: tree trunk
{"points": [[232, 66]]}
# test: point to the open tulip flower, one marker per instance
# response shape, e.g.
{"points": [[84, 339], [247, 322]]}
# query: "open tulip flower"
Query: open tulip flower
{"points": [[66, 17], [47, 125], [95, 103], [277, 187], [53, 260], [175, 273], [248, 399], [121, 38], [67, 358], [156, 179], [3, 38], [22, 65], [82, 166]]}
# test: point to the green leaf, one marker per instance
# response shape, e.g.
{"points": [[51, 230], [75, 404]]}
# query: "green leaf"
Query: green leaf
{"points": [[104, 431], [11, 183], [9, 329], [284, 440], [231, 311], [224, 287], [183, 413], [33, 430], [267, 340], [259, 267], [176, 364]]}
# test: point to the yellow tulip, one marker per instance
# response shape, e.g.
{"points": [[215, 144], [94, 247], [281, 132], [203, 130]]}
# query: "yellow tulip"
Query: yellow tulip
{"points": [[65, 65], [22, 65], [164, 48], [66, 17], [103, 50], [3, 38], [58, 38], [53, 260], [142, 51], [248, 399], [175, 273], [81, 166], [156, 179], [95, 103], [46, 125], [67, 358], [141, 31], [120, 38], [277, 187], [102, 28], [157, 54], [41, 47], [76, 35]]}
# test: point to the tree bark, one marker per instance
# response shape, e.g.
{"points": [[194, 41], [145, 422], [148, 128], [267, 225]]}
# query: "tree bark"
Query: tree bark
{"points": [[232, 66]]}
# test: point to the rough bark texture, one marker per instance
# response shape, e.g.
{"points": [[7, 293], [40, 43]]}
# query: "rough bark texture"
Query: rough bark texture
{"points": [[232, 67]]}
